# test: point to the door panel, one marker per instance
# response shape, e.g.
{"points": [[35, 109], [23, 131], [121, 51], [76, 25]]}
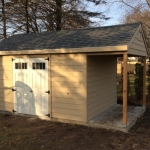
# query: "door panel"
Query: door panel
{"points": [[31, 83], [22, 95], [39, 80]]}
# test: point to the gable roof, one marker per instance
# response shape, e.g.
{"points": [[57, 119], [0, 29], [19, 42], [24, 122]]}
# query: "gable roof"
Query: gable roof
{"points": [[81, 38]]}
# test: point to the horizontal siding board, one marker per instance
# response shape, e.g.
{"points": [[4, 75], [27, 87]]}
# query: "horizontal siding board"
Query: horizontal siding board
{"points": [[67, 86], [6, 62], [68, 63], [67, 100], [6, 73], [6, 58], [67, 68], [137, 52], [64, 74], [67, 116], [102, 96], [67, 56], [68, 78], [6, 83], [66, 106], [97, 92], [90, 116], [101, 84], [101, 89], [6, 90], [100, 101], [68, 90], [100, 106], [6, 104], [97, 78], [137, 46], [9, 67], [3, 69], [67, 111], [7, 108], [6, 77], [56, 61], [139, 42], [6, 98], [68, 95]]}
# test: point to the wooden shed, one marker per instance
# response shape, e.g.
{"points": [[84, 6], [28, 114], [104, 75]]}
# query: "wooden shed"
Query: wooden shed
{"points": [[68, 75]]}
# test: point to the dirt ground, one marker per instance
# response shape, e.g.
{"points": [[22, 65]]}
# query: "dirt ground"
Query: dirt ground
{"points": [[22, 133]]}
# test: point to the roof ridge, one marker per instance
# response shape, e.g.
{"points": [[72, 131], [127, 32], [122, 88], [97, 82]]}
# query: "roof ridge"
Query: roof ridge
{"points": [[102, 26], [88, 28]]}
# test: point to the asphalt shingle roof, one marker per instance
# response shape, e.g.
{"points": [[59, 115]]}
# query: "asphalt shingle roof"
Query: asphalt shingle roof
{"points": [[90, 37]]}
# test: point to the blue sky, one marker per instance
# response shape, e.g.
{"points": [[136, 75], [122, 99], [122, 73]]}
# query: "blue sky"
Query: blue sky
{"points": [[112, 11], [116, 10]]}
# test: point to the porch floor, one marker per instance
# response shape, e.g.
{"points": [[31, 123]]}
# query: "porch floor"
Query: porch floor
{"points": [[112, 118]]}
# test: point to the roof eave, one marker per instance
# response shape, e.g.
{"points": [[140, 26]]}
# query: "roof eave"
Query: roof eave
{"points": [[67, 50]]}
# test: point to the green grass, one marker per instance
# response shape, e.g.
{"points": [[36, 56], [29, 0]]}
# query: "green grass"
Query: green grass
{"points": [[119, 85]]}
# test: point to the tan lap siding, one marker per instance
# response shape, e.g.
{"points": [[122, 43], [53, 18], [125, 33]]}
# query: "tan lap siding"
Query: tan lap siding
{"points": [[137, 45], [68, 86], [101, 84], [6, 81]]}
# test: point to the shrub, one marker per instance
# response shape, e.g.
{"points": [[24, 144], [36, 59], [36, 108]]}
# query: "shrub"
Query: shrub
{"points": [[138, 82]]}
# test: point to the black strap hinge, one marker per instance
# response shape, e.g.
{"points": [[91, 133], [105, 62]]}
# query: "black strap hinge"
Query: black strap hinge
{"points": [[47, 92], [14, 111], [13, 90], [48, 115], [47, 59], [13, 59]]}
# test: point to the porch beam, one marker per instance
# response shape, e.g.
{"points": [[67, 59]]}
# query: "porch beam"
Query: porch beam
{"points": [[125, 57], [144, 81]]}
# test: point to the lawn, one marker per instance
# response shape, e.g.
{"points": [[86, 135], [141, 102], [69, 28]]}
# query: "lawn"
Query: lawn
{"points": [[131, 80], [22, 133]]}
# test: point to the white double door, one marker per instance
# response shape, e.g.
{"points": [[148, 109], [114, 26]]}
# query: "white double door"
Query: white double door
{"points": [[31, 86]]}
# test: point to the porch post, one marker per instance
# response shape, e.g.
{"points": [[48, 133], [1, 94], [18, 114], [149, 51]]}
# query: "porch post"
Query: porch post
{"points": [[144, 81], [125, 57]]}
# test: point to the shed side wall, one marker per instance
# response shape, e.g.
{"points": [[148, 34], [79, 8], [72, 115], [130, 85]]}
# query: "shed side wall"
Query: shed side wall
{"points": [[101, 84], [68, 86], [6, 83], [137, 45]]}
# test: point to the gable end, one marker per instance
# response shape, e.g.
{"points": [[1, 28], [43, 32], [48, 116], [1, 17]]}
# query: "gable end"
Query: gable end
{"points": [[137, 45]]}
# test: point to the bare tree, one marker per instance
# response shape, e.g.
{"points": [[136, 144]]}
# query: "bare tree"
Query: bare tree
{"points": [[3, 16], [136, 11], [27, 16]]}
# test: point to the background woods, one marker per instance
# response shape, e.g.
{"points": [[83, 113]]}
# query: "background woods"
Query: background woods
{"points": [[24, 16]]}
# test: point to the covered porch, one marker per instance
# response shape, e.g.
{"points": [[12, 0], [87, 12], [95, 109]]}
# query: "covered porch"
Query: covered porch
{"points": [[120, 117], [112, 118]]}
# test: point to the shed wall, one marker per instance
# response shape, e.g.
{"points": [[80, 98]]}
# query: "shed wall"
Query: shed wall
{"points": [[137, 45], [6, 83], [101, 84], [68, 85]]}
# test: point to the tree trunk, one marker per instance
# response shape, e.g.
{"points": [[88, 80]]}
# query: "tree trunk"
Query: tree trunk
{"points": [[3, 19], [27, 16], [58, 14]]}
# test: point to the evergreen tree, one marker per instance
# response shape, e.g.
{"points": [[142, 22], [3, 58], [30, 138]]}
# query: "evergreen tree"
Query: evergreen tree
{"points": [[26, 16]]}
